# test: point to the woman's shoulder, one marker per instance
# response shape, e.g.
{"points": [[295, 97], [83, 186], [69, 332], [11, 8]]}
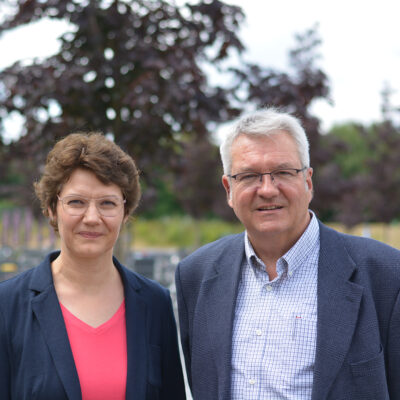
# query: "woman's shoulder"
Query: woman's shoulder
{"points": [[16, 283], [156, 297], [27, 283], [15, 293], [143, 284]]}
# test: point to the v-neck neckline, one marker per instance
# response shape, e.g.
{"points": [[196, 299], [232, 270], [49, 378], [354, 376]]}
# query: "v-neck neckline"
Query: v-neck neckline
{"points": [[98, 329]]}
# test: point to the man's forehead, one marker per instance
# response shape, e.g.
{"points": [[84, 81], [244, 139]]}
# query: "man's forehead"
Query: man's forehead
{"points": [[279, 141], [271, 136], [279, 149]]}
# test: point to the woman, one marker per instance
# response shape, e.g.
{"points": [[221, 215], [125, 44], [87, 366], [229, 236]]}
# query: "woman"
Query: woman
{"points": [[80, 325]]}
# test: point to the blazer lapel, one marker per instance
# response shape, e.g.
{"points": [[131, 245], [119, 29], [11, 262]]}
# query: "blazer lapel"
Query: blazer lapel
{"points": [[220, 289], [135, 315], [47, 310], [338, 306], [46, 307]]}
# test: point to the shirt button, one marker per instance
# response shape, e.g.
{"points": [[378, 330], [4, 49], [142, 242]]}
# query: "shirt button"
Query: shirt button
{"points": [[290, 273], [258, 332], [269, 288], [252, 381]]}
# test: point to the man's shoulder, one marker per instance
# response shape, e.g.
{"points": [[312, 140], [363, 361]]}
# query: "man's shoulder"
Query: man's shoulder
{"points": [[214, 250], [210, 260], [359, 248]]}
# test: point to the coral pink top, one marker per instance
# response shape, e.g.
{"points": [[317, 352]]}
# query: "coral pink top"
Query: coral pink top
{"points": [[100, 355]]}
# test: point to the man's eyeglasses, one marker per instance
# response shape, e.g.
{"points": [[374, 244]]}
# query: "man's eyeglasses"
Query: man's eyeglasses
{"points": [[76, 206], [278, 177]]}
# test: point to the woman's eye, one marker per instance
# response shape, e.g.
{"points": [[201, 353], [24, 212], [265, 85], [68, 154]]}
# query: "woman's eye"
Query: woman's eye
{"points": [[108, 203], [76, 203]]}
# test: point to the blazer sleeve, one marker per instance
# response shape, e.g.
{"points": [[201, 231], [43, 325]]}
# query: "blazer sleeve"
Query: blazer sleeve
{"points": [[393, 352], [4, 360], [183, 324], [173, 385]]}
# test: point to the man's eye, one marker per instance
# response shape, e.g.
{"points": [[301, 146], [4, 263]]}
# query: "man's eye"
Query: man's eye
{"points": [[247, 177], [283, 173]]}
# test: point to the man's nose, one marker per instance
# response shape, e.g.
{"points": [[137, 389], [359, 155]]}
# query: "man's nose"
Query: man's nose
{"points": [[267, 183]]}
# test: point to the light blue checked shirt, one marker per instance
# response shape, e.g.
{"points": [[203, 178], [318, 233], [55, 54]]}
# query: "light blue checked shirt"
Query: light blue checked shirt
{"points": [[275, 325]]}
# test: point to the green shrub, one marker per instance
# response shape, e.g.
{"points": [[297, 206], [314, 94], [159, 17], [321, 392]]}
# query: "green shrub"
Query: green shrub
{"points": [[179, 232]]}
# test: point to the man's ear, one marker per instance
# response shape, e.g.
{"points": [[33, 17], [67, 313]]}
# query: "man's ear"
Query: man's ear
{"points": [[227, 187], [309, 182]]}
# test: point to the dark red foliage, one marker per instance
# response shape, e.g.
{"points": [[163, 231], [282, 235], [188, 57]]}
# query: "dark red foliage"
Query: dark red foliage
{"points": [[132, 69]]}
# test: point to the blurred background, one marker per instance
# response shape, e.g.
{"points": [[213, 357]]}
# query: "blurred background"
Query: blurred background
{"points": [[163, 79]]}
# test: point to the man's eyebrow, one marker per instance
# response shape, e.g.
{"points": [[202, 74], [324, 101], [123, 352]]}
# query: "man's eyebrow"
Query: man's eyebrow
{"points": [[284, 166], [248, 169]]}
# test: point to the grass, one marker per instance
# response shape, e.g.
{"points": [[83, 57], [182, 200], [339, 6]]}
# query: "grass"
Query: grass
{"points": [[185, 232], [386, 233], [188, 233], [179, 232]]}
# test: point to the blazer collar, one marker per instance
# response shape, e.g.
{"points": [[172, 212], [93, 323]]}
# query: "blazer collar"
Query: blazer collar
{"points": [[338, 307], [46, 307], [135, 315], [220, 291], [42, 278], [47, 310]]}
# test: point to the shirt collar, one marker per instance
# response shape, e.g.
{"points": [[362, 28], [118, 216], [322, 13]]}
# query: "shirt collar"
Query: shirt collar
{"points": [[295, 256]]}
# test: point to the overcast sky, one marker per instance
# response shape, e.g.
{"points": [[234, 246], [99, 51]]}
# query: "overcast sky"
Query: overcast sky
{"points": [[360, 47]]}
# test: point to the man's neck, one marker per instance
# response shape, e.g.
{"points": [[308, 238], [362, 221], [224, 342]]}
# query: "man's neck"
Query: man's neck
{"points": [[270, 248]]}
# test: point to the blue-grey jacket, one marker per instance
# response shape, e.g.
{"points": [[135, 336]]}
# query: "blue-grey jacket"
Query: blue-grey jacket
{"points": [[358, 328]]}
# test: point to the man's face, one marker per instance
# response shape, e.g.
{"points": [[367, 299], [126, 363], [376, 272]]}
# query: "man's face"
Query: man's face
{"points": [[269, 210]]}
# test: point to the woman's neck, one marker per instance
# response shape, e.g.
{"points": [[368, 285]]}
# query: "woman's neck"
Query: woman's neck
{"points": [[82, 272]]}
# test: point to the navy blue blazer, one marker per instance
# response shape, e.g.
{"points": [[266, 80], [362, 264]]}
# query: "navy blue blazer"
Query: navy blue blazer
{"points": [[358, 328], [36, 360]]}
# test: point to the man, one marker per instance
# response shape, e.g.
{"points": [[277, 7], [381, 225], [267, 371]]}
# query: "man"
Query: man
{"points": [[289, 309]]}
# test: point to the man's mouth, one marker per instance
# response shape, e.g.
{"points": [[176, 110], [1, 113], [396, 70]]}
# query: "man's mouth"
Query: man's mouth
{"points": [[269, 208]]}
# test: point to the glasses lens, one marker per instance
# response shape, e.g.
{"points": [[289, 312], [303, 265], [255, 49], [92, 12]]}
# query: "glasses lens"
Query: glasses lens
{"points": [[248, 178], [77, 205], [284, 175], [74, 205], [279, 176], [108, 206]]}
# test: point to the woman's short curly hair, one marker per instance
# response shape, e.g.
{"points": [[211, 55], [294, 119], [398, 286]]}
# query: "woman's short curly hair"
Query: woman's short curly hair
{"points": [[94, 152]]}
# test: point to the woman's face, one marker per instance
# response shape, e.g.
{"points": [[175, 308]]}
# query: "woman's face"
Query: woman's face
{"points": [[94, 233]]}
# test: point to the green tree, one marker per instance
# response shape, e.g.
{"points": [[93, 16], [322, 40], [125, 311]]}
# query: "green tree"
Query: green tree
{"points": [[382, 188], [368, 163], [354, 152]]}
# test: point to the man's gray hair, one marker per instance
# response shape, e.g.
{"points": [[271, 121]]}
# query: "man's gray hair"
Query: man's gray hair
{"points": [[267, 121]]}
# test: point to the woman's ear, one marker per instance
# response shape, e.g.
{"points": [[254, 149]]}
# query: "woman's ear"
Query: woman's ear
{"points": [[52, 216]]}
